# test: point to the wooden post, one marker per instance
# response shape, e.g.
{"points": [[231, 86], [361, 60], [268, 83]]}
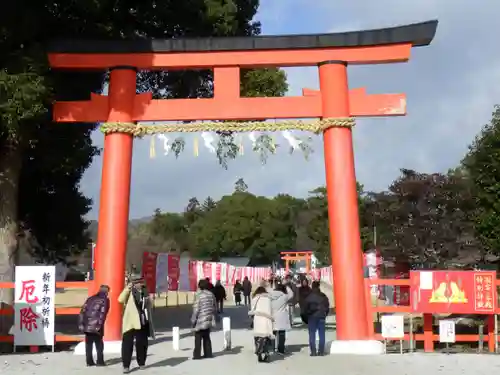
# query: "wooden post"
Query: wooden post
{"points": [[491, 333], [428, 334]]}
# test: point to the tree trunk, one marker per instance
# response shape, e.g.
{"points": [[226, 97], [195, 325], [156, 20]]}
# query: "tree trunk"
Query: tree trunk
{"points": [[10, 169]]}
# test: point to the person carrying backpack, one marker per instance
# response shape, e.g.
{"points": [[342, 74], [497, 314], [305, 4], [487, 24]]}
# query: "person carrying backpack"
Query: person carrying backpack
{"points": [[315, 310]]}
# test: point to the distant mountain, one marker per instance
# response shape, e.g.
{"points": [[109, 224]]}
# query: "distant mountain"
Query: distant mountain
{"points": [[132, 223]]}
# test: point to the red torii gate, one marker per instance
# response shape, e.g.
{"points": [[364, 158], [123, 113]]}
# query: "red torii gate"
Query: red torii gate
{"points": [[332, 53], [295, 256]]}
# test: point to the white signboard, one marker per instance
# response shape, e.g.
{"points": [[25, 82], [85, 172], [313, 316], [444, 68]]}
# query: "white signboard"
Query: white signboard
{"points": [[447, 331], [426, 280], [393, 326], [34, 307]]}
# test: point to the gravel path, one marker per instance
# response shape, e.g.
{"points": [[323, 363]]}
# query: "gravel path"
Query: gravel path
{"points": [[241, 360]]}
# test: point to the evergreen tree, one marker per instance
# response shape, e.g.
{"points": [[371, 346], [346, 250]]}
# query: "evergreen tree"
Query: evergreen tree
{"points": [[240, 186], [41, 163], [482, 167]]}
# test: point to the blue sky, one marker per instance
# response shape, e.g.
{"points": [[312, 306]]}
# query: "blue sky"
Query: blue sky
{"points": [[451, 88]]}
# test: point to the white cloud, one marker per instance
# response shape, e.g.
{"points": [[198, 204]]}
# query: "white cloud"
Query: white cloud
{"points": [[451, 85]]}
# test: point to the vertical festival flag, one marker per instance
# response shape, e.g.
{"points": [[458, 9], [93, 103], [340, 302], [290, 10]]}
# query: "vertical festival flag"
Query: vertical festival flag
{"points": [[34, 305], [173, 271], [162, 276], [149, 270]]}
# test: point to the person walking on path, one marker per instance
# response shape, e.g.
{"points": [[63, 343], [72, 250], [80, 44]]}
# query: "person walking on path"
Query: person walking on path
{"points": [[280, 297], [237, 290], [271, 280], [315, 310], [210, 285], [303, 291], [247, 290], [203, 319], [91, 322], [220, 296], [293, 302], [262, 313], [137, 323]]}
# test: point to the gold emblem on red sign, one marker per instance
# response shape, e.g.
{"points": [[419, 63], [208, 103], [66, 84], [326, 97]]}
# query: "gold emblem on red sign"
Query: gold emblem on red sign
{"points": [[448, 292]]}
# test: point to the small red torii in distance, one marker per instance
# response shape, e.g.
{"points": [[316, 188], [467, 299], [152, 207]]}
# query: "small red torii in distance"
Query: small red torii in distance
{"points": [[294, 256]]}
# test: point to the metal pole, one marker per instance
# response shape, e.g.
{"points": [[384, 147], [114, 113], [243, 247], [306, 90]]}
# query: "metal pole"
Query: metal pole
{"points": [[92, 266], [496, 334], [481, 338], [411, 333]]}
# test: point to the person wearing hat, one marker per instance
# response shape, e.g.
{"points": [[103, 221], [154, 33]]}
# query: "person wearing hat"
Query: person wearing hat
{"points": [[137, 324]]}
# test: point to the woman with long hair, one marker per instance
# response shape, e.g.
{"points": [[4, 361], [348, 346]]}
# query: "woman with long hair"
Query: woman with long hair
{"points": [[281, 296], [262, 314]]}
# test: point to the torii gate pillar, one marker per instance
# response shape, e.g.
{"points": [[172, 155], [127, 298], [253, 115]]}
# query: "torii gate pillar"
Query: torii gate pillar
{"points": [[343, 217], [112, 231]]}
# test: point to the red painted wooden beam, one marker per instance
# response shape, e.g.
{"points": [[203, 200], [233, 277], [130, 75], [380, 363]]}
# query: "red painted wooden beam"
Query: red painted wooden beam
{"points": [[380, 54], [224, 108], [364, 105], [226, 105]]}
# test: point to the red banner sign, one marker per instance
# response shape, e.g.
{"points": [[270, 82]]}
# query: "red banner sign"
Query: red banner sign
{"points": [[453, 292], [149, 271]]}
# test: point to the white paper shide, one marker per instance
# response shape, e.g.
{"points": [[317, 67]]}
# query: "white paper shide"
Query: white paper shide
{"points": [[34, 306]]}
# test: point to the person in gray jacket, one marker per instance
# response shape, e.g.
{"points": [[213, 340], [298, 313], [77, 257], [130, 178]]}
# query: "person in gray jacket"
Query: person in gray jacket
{"points": [[281, 296], [203, 319]]}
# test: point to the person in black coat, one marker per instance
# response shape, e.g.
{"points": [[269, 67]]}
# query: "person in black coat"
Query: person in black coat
{"points": [[220, 295], [247, 290], [303, 291], [91, 322], [237, 290], [315, 309]]}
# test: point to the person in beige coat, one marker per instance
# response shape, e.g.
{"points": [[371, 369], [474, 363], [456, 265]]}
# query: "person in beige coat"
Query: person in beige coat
{"points": [[137, 324], [262, 313]]}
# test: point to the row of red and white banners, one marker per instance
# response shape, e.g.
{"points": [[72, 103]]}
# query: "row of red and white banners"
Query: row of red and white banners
{"points": [[163, 272]]}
